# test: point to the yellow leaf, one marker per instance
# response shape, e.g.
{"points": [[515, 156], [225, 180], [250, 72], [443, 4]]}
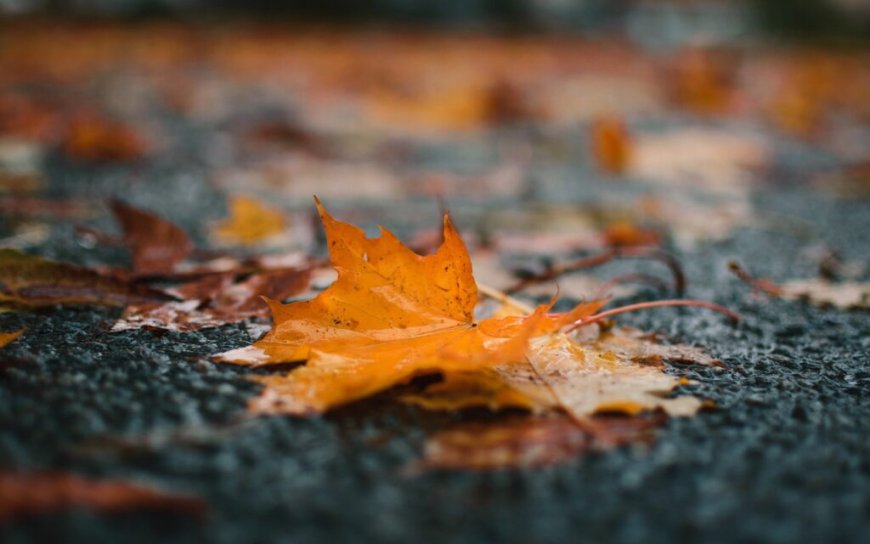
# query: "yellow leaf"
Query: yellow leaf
{"points": [[250, 222]]}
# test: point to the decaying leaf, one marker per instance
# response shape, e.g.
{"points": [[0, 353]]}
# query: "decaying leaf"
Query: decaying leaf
{"points": [[526, 442], [30, 281], [9, 337], [157, 245], [33, 493], [216, 300], [393, 315], [250, 222]]}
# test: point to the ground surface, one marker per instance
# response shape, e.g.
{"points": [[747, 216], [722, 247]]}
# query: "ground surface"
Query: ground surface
{"points": [[784, 458]]}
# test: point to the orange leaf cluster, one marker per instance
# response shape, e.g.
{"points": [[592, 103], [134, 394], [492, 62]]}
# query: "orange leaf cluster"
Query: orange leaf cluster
{"points": [[393, 315]]}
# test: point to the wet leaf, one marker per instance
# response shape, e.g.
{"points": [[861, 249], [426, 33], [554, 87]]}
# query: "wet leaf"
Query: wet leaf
{"points": [[157, 245], [216, 300], [37, 493], [393, 315], [30, 281]]}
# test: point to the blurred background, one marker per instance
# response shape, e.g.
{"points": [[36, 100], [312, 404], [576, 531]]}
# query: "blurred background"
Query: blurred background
{"points": [[552, 118]]}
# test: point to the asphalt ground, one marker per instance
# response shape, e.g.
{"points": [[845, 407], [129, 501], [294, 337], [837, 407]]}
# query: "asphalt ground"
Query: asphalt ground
{"points": [[785, 456]]}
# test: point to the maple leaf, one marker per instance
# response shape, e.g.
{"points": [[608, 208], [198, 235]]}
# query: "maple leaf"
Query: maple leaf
{"points": [[33, 493], [393, 315]]}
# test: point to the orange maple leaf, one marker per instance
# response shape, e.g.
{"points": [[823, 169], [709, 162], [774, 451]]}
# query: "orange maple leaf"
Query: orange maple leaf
{"points": [[390, 316]]}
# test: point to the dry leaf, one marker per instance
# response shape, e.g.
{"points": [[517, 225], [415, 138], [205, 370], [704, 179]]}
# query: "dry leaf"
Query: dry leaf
{"points": [[393, 315], [157, 245], [34, 493], [250, 222], [848, 295], [29, 281]]}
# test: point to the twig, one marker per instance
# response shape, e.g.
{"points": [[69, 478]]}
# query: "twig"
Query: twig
{"points": [[602, 258]]}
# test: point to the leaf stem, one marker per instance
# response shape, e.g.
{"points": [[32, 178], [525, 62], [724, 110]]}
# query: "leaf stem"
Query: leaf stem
{"points": [[733, 316]]}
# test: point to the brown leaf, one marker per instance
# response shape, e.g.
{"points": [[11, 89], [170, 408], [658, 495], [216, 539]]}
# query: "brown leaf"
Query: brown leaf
{"points": [[29, 281], [156, 244], [98, 139], [36, 493], [216, 300], [525, 442]]}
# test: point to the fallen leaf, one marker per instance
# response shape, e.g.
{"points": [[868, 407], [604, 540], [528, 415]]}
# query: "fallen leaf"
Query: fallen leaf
{"points": [[849, 295], [9, 337], [626, 234], [216, 300], [701, 82], [30, 281], [393, 315], [250, 222], [845, 295], [527, 442], [35, 493], [157, 245], [611, 144], [617, 371], [98, 139]]}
